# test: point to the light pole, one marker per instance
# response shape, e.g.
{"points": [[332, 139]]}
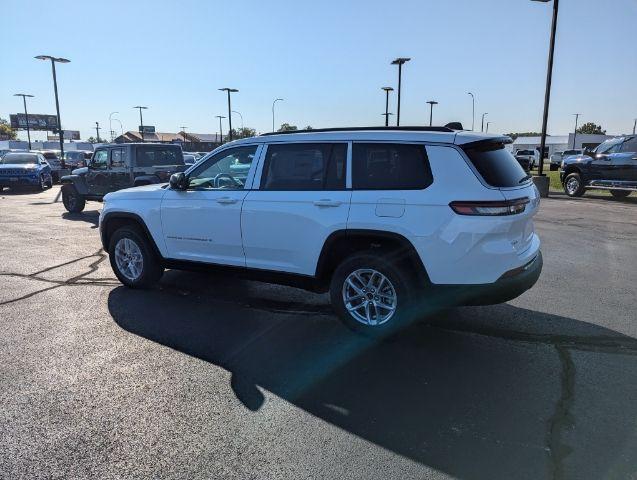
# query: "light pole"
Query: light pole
{"points": [[386, 115], [549, 76], [240, 116], [121, 128], [575, 131], [229, 90], [431, 111], [488, 123], [97, 131], [276, 100], [55, 60], [110, 124], [183, 133], [220, 117], [400, 61], [387, 90], [634, 125], [141, 120], [26, 113], [473, 110], [482, 126]]}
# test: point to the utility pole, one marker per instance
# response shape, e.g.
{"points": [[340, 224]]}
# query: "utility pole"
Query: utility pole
{"points": [[97, 131], [229, 90], [482, 126], [26, 113], [220, 117], [141, 120], [634, 125], [183, 133], [575, 131], [473, 110], [387, 90], [400, 61]]}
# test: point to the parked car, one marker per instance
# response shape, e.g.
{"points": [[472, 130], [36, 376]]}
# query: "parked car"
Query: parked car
{"points": [[53, 159], [190, 159], [118, 166], [555, 160], [611, 166], [528, 159], [391, 222], [77, 158], [25, 169]]}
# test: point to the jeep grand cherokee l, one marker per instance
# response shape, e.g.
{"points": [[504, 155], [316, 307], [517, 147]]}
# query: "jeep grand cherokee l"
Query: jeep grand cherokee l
{"points": [[390, 221]]}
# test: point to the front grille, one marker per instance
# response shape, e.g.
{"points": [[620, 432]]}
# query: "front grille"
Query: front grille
{"points": [[13, 172]]}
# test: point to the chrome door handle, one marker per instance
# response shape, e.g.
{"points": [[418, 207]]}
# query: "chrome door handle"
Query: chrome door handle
{"points": [[226, 200], [325, 202]]}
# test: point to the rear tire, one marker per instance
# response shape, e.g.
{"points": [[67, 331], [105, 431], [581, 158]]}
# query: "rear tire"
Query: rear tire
{"points": [[620, 193], [72, 200], [133, 259], [367, 279], [573, 185], [42, 185]]}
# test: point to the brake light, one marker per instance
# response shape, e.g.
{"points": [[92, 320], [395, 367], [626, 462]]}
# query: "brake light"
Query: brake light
{"points": [[508, 207]]}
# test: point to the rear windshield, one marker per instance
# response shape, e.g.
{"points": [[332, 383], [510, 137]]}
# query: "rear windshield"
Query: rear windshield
{"points": [[155, 156], [19, 158], [496, 165]]}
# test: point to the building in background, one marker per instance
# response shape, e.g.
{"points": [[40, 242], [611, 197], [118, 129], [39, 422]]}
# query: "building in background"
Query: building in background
{"points": [[558, 143]]}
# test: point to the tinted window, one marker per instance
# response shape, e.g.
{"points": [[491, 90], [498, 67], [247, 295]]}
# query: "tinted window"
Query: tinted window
{"points": [[385, 166], [19, 158], [496, 165], [572, 152], [118, 157], [153, 156], [630, 145], [305, 166], [227, 170]]}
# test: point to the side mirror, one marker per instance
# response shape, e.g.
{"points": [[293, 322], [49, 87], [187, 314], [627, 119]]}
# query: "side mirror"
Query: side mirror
{"points": [[178, 181]]}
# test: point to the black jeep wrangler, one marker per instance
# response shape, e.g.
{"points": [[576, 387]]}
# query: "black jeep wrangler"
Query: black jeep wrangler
{"points": [[118, 166]]}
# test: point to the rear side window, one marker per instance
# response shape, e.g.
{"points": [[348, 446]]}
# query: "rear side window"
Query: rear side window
{"points": [[305, 166], [390, 166], [630, 145], [495, 164], [157, 156], [118, 157]]}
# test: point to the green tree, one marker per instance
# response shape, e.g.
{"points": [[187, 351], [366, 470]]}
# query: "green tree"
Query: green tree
{"points": [[309, 127], [524, 134], [6, 132], [94, 140], [244, 132], [591, 127], [286, 127]]}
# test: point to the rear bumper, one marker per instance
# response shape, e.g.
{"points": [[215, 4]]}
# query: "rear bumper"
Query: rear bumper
{"points": [[510, 285]]}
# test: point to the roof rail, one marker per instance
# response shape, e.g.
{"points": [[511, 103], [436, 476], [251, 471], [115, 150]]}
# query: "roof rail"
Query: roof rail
{"points": [[358, 129]]}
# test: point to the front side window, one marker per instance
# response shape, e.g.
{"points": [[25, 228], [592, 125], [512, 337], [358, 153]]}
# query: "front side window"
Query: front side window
{"points": [[100, 160], [390, 166], [305, 166], [158, 156], [227, 170], [118, 158]]}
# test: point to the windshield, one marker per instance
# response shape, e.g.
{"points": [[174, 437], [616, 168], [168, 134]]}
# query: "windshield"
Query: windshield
{"points": [[19, 159], [609, 146]]}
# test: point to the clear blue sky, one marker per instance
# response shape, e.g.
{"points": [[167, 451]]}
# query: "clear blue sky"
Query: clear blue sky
{"points": [[327, 59]]}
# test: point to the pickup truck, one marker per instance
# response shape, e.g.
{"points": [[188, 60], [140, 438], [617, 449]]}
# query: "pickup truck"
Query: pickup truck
{"points": [[118, 166], [611, 166]]}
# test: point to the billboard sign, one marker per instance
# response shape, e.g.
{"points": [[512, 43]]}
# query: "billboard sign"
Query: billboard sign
{"points": [[147, 129], [36, 122], [68, 135]]}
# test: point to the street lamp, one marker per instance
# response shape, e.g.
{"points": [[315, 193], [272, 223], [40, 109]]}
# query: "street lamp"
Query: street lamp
{"points": [[488, 123], [26, 113], [240, 116], [220, 117], [229, 90], [482, 126], [141, 120], [431, 111], [387, 90], [473, 110], [634, 125], [110, 124], [55, 60], [549, 76], [97, 131], [183, 133], [121, 128], [400, 61], [575, 131], [276, 100]]}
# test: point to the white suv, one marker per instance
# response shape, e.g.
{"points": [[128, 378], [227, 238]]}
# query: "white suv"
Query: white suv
{"points": [[393, 222]]}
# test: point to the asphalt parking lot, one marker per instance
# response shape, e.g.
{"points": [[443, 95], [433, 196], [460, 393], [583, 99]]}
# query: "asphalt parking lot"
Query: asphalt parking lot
{"points": [[209, 377]]}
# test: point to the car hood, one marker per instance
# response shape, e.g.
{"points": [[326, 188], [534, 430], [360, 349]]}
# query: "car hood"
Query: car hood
{"points": [[21, 166], [80, 171], [145, 192]]}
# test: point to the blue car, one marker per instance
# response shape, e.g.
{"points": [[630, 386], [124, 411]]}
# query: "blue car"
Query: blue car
{"points": [[25, 169]]}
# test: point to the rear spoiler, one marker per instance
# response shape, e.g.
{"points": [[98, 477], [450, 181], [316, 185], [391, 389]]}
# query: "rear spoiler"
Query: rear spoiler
{"points": [[487, 143]]}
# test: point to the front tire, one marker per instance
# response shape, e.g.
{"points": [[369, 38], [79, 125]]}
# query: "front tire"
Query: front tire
{"points": [[133, 259], [72, 200], [573, 185], [620, 193], [370, 295]]}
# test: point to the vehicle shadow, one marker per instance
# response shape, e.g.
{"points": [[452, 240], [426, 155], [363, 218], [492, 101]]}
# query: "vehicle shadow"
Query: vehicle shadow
{"points": [[21, 191], [481, 399], [90, 216]]}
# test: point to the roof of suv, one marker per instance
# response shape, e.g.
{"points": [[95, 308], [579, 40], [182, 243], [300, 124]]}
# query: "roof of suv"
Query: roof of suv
{"points": [[419, 134]]}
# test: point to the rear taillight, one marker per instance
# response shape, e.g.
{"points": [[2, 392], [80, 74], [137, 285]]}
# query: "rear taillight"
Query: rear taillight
{"points": [[508, 207]]}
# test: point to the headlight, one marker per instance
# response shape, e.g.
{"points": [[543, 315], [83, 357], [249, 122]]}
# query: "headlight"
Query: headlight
{"points": [[562, 165]]}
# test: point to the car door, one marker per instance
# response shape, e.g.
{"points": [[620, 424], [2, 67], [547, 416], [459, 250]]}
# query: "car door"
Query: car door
{"points": [[298, 199], [120, 169], [203, 222], [97, 177], [604, 165], [628, 154]]}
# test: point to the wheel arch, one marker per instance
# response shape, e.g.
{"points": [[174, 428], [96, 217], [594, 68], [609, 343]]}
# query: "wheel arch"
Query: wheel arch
{"points": [[115, 220]]}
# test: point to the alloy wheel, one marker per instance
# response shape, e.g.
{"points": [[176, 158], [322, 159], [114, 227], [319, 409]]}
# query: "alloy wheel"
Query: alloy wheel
{"points": [[129, 259], [369, 297]]}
